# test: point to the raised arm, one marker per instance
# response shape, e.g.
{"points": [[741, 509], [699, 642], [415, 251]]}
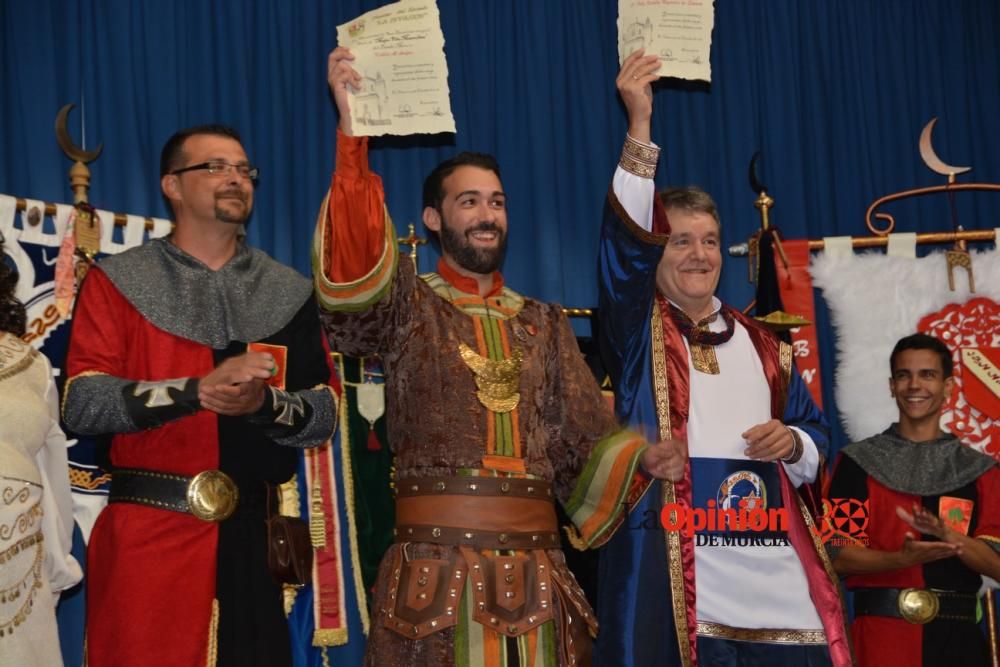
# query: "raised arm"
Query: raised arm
{"points": [[633, 179], [354, 249], [629, 252]]}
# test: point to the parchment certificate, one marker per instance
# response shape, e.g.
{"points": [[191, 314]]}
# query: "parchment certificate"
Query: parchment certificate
{"points": [[679, 31], [399, 52]]}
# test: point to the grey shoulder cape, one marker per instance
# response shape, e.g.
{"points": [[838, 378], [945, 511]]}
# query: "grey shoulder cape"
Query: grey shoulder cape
{"points": [[248, 299], [921, 468]]}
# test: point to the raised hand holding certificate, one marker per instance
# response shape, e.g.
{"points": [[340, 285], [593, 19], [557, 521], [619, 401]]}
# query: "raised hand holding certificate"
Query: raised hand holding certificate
{"points": [[679, 31], [399, 52]]}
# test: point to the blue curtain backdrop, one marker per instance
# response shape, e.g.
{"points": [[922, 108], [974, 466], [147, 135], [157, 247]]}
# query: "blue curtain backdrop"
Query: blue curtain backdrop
{"points": [[834, 94]]}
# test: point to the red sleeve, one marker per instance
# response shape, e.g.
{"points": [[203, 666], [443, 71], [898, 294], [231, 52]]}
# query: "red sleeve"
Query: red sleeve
{"points": [[988, 492], [99, 336], [355, 215]]}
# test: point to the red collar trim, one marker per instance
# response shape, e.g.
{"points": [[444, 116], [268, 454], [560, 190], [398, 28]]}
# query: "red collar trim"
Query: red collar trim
{"points": [[465, 283]]}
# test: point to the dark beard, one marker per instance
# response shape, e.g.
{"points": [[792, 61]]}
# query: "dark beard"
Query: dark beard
{"points": [[223, 215], [477, 260]]}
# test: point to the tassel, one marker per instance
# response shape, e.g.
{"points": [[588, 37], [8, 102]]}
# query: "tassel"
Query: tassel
{"points": [[317, 521], [65, 288], [574, 538], [373, 444]]}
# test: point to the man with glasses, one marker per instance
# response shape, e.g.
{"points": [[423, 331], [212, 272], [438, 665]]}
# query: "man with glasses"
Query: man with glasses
{"points": [[203, 359]]}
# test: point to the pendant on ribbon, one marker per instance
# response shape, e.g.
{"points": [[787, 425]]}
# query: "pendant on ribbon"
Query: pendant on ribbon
{"points": [[371, 406]]}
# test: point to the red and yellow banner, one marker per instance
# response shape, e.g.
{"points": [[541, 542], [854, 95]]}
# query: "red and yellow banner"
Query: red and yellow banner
{"points": [[795, 285]]}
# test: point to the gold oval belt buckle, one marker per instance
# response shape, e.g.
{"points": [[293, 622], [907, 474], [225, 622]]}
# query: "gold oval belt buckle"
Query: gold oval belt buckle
{"points": [[212, 495], [917, 605]]}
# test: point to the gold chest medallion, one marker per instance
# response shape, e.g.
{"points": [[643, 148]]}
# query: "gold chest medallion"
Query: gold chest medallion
{"points": [[497, 381]]}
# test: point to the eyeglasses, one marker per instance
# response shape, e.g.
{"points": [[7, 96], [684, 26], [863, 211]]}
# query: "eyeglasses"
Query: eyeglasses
{"points": [[216, 167]]}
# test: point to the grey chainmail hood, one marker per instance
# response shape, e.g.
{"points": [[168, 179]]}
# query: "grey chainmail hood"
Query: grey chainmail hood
{"points": [[248, 299], [921, 468]]}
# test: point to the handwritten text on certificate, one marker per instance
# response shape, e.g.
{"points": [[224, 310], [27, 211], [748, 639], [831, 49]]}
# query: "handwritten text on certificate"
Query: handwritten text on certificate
{"points": [[679, 31], [399, 52]]}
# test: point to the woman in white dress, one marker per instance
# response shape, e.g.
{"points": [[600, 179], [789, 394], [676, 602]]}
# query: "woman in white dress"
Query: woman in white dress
{"points": [[36, 513]]}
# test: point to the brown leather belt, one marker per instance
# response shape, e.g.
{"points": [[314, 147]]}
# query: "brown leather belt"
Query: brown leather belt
{"points": [[482, 512]]}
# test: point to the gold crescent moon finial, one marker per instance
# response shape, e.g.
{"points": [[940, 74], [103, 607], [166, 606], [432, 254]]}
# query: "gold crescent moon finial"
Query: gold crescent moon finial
{"points": [[66, 142], [931, 158]]}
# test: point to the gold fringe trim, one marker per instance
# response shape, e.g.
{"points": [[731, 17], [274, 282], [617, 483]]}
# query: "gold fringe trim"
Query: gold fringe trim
{"points": [[335, 637], [213, 639], [573, 535], [288, 497], [288, 505]]}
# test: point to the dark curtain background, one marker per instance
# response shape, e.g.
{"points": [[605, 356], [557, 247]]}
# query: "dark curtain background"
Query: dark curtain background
{"points": [[834, 94]]}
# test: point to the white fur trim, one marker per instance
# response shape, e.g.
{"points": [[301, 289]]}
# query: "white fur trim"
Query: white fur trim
{"points": [[874, 301]]}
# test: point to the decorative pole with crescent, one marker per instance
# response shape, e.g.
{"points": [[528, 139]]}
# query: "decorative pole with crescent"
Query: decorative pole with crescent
{"points": [[959, 254], [79, 173], [86, 241]]}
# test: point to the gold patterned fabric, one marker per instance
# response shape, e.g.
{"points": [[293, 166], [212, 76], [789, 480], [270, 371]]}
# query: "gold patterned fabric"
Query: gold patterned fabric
{"points": [[766, 635], [34, 546], [639, 158]]}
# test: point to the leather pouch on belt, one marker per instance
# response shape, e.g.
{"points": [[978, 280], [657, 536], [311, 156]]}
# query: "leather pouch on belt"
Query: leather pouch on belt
{"points": [[580, 620], [425, 594], [511, 594]]}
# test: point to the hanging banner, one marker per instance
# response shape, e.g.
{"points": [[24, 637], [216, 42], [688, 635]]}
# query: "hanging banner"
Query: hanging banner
{"points": [[795, 284], [970, 332], [877, 299]]}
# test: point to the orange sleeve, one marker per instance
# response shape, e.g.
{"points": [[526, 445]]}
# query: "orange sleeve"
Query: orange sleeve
{"points": [[354, 248], [355, 216]]}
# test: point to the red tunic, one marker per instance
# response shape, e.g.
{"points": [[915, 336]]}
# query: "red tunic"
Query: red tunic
{"points": [[166, 588], [110, 336], [883, 640]]}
